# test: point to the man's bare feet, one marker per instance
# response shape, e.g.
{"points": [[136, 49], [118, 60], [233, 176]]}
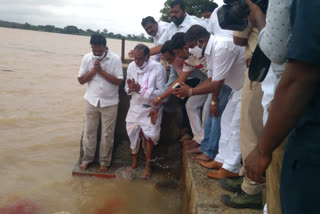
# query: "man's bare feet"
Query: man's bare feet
{"points": [[191, 144], [194, 151], [201, 157], [134, 164], [83, 166], [102, 168], [147, 173]]}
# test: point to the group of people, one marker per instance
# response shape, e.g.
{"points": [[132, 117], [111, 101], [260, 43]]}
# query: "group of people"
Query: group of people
{"points": [[230, 123]]}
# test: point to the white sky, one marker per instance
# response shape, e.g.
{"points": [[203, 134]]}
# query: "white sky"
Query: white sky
{"points": [[117, 16]]}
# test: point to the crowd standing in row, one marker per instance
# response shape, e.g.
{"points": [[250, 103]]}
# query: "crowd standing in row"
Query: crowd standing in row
{"points": [[229, 124]]}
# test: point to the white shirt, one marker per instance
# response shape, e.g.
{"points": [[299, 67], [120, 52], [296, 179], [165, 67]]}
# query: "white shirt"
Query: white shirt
{"points": [[226, 61], [162, 26], [203, 21], [151, 78], [173, 29], [99, 89], [214, 27]]}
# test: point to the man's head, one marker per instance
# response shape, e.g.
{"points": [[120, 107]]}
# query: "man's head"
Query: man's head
{"points": [[196, 39], [141, 54], [98, 44], [178, 46], [207, 9], [150, 26], [177, 11], [196, 35], [167, 53]]}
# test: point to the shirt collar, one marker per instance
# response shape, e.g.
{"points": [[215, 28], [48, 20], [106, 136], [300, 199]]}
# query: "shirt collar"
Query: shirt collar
{"points": [[209, 45], [160, 29], [185, 21]]}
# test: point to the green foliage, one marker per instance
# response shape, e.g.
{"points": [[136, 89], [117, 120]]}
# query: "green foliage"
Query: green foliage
{"points": [[192, 7], [70, 29]]}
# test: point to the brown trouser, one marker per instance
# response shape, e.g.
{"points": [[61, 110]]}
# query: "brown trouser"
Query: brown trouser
{"points": [[108, 117], [251, 125]]}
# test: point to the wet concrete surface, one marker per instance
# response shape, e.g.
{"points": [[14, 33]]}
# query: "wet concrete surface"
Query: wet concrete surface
{"points": [[201, 194]]}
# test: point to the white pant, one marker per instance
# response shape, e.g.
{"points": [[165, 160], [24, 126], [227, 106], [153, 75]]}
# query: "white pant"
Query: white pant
{"points": [[229, 152], [268, 86], [194, 107]]}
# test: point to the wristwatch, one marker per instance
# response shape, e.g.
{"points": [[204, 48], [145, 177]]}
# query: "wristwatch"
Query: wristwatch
{"points": [[213, 103], [189, 92]]}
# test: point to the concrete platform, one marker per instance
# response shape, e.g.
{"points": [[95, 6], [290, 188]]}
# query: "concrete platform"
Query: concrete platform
{"points": [[201, 195]]}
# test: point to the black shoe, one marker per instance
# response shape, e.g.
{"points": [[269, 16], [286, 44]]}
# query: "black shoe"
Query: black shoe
{"points": [[242, 200], [231, 184]]}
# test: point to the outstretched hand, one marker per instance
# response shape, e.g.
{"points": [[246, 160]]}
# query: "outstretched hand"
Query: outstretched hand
{"points": [[156, 102], [130, 54], [153, 114], [256, 164], [182, 91]]}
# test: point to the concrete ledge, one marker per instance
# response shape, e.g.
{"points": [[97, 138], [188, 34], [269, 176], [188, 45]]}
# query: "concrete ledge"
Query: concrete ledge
{"points": [[201, 195]]}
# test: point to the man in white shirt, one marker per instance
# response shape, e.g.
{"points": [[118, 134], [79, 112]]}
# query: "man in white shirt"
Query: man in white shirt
{"points": [[226, 65], [214, 27], [206, 11], [155, 30], [181, 22], [102, 70], [145, 80]]}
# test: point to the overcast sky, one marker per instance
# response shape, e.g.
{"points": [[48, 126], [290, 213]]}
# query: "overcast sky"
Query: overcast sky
{"points": [[117, 16]]}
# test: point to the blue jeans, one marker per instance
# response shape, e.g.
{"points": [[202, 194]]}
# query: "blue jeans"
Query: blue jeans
{"points": [[210, 142]]}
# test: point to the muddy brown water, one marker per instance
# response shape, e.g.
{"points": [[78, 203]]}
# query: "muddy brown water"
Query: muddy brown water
{"points": [[41, 120]]}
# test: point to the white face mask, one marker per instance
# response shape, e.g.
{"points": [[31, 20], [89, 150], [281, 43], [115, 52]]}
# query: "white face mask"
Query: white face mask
{"points": [[143, 65], [206, 20], [196, 51], [98, 57]]}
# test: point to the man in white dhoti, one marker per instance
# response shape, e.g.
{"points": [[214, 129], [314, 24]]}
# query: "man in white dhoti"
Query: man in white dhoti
{"points": [[145, 80]]}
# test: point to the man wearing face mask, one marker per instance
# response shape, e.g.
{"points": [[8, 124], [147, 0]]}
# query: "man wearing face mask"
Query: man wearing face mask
{"points": [[102, 70], [191, 67], [145, 80], [226, 66]]}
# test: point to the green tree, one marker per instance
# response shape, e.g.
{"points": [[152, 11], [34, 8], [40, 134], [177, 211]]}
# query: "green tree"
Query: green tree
{"points": [[49, 28], [192, 7], [70, 29]]}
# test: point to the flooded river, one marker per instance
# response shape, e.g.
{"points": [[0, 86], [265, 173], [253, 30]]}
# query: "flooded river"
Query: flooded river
{"points": [[41, 119]]}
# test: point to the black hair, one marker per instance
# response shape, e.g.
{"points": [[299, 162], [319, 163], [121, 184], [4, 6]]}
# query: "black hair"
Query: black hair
{"points": [[195, 33], [147, 20], [177, 41], [208, 7], [177, 2], [146, 50], [166, 47], [98, 39]]}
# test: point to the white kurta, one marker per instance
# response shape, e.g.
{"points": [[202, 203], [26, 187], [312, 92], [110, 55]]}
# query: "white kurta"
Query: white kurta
{"points": [[152, 79]]}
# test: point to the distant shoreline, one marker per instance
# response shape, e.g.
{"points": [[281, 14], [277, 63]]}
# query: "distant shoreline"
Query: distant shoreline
{"points": [[73, 30]]}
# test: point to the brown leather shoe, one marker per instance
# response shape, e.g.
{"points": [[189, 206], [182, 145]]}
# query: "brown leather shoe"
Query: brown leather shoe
{"points": [[211, 164], [221, 173]]}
